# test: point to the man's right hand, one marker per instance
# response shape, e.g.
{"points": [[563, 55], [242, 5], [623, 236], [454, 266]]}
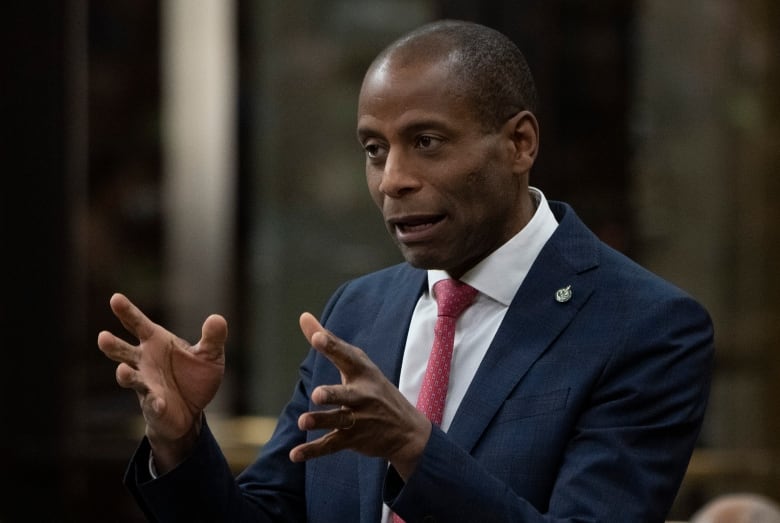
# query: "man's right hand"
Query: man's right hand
{"points": [[174, 380]]}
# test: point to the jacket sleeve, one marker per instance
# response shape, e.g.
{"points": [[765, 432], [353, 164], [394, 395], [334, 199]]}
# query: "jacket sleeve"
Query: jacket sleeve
{"points": [[204, 488]]}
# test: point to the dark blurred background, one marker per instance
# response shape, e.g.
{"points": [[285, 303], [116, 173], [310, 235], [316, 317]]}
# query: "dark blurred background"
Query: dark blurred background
{"points": [[199, 156]]}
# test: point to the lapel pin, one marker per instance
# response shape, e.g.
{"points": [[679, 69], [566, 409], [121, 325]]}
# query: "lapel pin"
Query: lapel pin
{"points": [[563, 295]]}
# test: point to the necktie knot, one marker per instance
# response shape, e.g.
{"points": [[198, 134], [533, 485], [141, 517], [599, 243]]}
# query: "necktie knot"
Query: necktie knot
{"points": [[453, 297]]}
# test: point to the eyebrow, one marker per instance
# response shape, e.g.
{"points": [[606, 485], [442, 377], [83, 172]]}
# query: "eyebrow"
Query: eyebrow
{"points": [[413, 127]]}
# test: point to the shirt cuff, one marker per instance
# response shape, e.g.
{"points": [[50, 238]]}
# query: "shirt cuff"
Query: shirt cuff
{"points": [[152, 468]]}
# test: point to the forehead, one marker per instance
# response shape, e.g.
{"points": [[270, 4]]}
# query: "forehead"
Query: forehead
{"points": [[392, 89]]}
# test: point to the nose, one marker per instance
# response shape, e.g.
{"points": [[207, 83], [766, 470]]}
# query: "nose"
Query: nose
{"points": [[398, 177]]}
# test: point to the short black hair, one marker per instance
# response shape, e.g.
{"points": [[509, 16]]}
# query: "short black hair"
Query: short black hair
{"points": [[487, 66]]}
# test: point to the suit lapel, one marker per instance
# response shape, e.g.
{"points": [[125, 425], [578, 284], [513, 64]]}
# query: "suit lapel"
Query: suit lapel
{"points": [[388, 338], [566, 260], [391, 325]]}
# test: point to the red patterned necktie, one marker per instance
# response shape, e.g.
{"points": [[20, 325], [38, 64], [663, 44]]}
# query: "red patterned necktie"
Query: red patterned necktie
{"points": [[452, 297]]}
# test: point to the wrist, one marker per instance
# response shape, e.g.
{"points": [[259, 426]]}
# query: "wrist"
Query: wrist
{"points": [[405, 459], [166, 454]]}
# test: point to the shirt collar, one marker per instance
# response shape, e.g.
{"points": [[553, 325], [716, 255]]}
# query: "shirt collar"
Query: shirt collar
{"points": [[500, 275]]}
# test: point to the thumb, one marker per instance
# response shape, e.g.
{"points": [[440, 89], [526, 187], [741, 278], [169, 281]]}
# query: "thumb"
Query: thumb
{"points": [[310, 326], [213, 336]]}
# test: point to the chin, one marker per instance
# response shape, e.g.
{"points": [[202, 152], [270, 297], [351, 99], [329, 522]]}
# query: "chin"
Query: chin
{"points": [[425, 261], [418, 261]]}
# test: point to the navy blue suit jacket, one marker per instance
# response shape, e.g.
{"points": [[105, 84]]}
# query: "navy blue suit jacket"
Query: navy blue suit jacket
{"points": [[585, 410]]}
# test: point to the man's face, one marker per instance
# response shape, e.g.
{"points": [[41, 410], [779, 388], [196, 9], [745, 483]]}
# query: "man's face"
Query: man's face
{"points": [[449, 190]]}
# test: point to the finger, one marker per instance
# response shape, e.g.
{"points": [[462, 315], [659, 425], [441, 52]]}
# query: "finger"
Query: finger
{"points": [[342, 419], [309, 325], [131, 317], [344, 395], [331, 442], [130, 378], [343, 355], [118, 349], [153, 406], [213, 337]]}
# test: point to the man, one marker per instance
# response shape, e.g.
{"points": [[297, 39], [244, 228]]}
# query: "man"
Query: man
{"points": [[578, 381]]}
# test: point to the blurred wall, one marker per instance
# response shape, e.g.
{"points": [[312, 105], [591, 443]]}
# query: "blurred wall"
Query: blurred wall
{"points": [[38, 333], [705, 183], [309, 222]]}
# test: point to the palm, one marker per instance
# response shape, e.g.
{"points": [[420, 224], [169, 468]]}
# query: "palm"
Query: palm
{"points": [[174, 380], [181, 380]]}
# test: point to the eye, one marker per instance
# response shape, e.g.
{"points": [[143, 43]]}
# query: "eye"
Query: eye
{"points": [[374, 151], [427, 142]]}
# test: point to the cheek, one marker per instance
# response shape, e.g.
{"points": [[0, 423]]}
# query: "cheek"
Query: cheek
{"points": [[487, 184], [490, 195], [477, 180], [372, 181], [485, 172]]}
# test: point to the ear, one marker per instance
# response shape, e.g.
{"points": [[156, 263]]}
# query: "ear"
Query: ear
{"points": [[523, 130]]}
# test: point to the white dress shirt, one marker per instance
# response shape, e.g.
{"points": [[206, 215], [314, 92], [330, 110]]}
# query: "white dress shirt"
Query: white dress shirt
{"points": [[497, 278]]}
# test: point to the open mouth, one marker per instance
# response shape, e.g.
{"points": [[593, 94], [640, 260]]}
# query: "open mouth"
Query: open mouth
{"points": [[415, 228]]}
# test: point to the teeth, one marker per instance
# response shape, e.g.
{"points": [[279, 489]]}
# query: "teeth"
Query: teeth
{"points": [[415, 227]]}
